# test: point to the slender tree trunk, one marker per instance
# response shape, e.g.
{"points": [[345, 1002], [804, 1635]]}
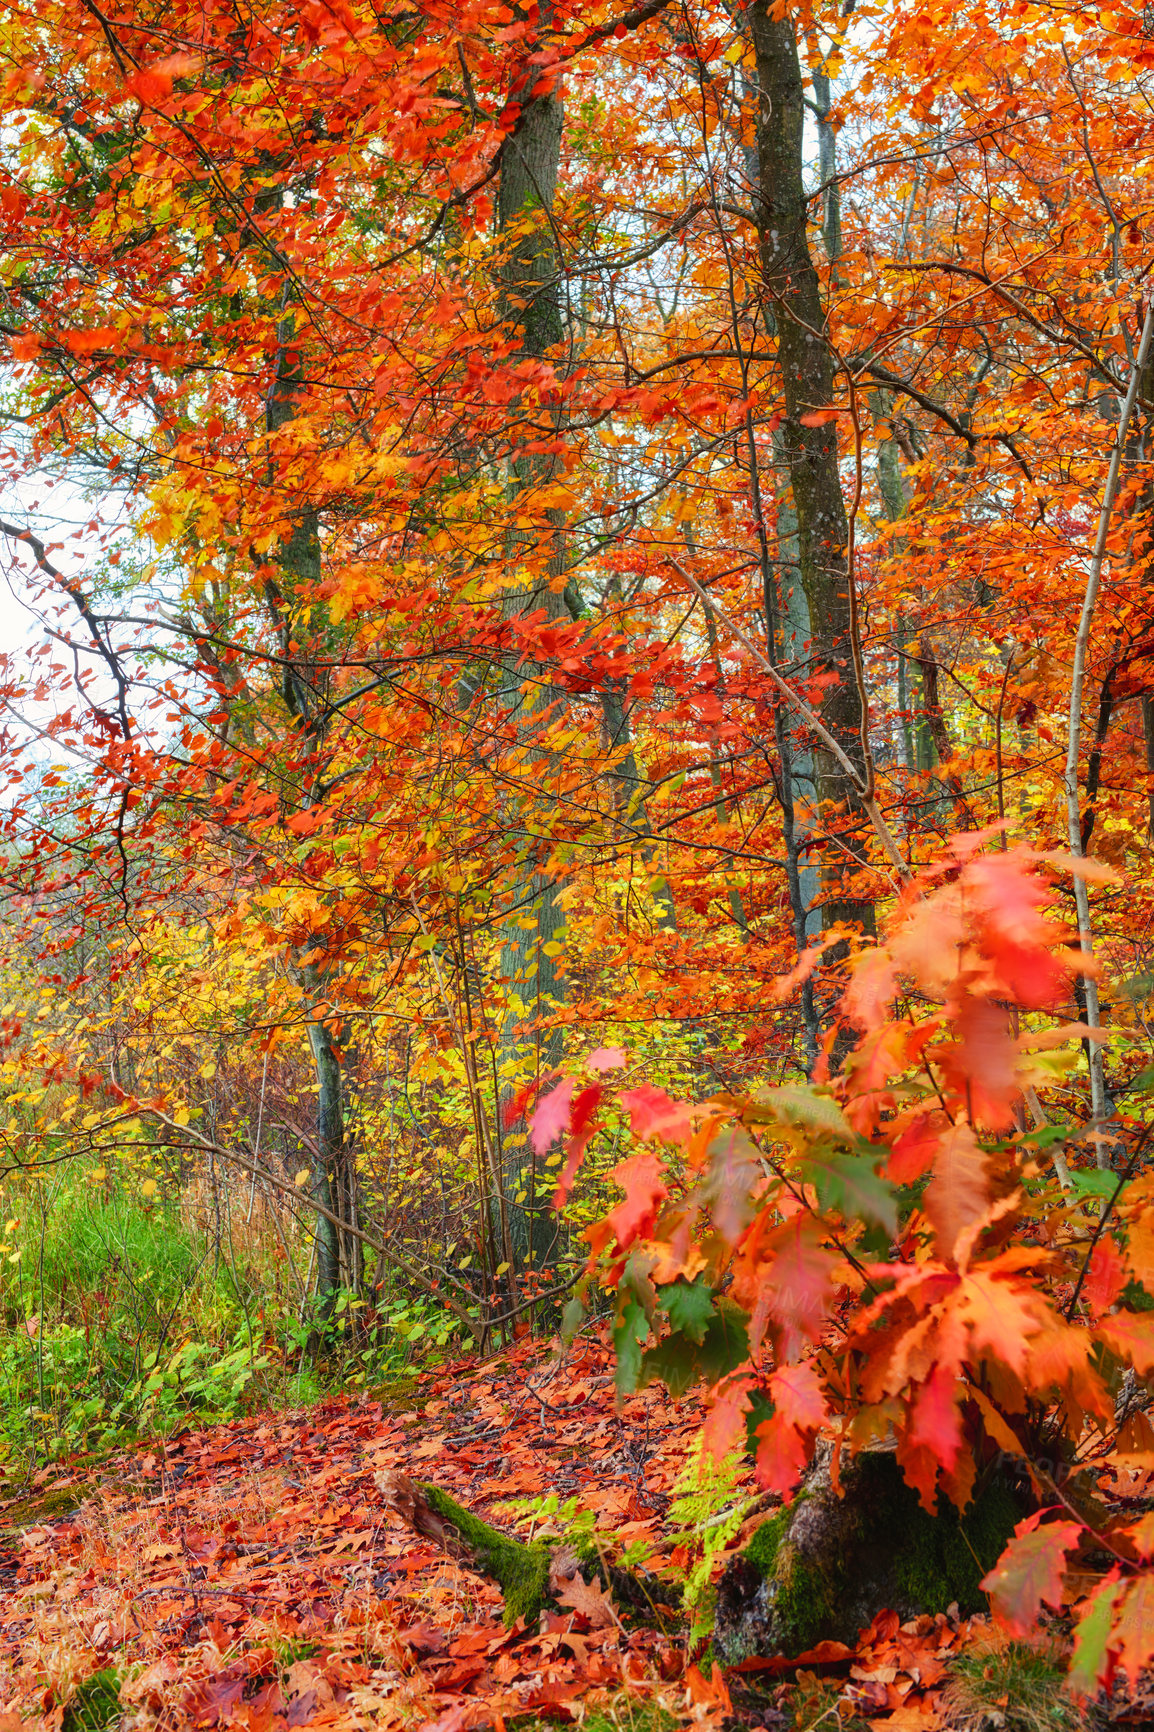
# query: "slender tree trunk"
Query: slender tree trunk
{"points": [[530, 304], [293, 595], [795, 312]]}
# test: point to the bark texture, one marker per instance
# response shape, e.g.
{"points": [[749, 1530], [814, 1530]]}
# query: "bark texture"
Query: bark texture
{"points": [[795, 313], [822, 1568], [531, 306]]}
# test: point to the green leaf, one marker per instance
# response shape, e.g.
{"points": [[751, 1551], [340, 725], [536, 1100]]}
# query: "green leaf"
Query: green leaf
{"points": [[726, 1344], [1093, 1634], [849, 1184], [689, 1307], [1045, 1136], [679, 1362], [572, 1317], [674, 1362], [629, 1336], [760, 1409], [804, 1107], [1091, 1182]]}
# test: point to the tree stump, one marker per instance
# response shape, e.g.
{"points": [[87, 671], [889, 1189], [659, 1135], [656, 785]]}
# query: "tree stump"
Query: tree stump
{"points": [[821, 1568]]}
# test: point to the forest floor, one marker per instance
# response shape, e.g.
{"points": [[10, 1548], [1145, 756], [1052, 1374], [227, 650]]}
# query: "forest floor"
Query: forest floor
{"points": [[246, 1575]]}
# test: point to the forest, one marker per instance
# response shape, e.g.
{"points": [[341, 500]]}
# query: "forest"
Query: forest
{"points": [[576, 818]]}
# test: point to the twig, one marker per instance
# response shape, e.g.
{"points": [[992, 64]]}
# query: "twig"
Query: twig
{"points": [[861, 788]]}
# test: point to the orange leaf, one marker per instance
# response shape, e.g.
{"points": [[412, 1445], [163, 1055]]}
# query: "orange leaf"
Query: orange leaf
{"points": [[1031, 1571], [959, 1192], [644, 1187]]}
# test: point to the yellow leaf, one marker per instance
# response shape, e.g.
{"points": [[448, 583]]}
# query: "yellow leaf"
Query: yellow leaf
{"points": [[301, 1177], [502, 1268], [149, 1188]]}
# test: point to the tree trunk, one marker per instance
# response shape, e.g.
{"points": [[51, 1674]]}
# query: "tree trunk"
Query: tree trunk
{"points": [[306, 683], [795, 313], [530, 304], [532, 1575], [821, 1568]]}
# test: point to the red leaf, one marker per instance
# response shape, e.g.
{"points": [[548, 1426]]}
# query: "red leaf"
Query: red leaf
{"points": [[819, 417], [653, 1114], [912, 1153], [551, 1116], [582, 1125], [959, 1192], [787, 1439], [783, 1278], [1031, 1571], [798, 1395], [724, 1428], [1134, 1627], [1105, 1277], [644, 1187], [1130, 1336], [936, 1422], [87, 342], [606, 1058]]}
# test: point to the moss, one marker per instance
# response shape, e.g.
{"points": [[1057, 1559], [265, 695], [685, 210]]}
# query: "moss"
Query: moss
{"points": [[96, 1705], [396, 1394], [50, 1505], [807, 1601], [824, 1566], [521, 1570], [937, 1559], [763, 1548]]}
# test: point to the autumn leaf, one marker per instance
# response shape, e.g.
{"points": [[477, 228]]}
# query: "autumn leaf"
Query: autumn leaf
{"points": [[590, 1601], [783, 1278], [959, 1191], [935, 1419], [652, 1114], [1031, 1571], [1131, 1336], [550, 1118], [642, 1180], [1106, 1276]]}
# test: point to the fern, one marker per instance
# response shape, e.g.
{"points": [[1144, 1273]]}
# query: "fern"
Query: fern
{"points": [[706, 1512]]}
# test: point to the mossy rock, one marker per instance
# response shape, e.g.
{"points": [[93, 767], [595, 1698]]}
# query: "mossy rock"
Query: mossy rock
{"points": [[821, 1569], [96, 1705]]}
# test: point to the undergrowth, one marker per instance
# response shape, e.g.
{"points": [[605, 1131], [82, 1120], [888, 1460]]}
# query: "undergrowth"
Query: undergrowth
{"points": [[1016, 1686], [125, 1315]]}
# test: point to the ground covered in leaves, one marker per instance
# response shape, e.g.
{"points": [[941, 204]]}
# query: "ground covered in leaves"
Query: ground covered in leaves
{"points": [[246, 1575]]}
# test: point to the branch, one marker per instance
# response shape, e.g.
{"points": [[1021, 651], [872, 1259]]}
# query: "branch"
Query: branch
{"points": [[884, 834]]}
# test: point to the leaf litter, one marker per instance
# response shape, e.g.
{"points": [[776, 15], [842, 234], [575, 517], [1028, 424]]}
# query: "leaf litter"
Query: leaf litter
{"points": [[246, 1575]]}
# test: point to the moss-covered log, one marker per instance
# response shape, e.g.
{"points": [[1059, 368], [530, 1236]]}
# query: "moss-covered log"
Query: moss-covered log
{"points": [[522, 1571], [822, 1568], [532, 1575]]}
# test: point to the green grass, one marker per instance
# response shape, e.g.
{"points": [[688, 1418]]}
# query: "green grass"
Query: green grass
{"points": [[1020, 1682], [96, 1705], [122, 1316]]}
